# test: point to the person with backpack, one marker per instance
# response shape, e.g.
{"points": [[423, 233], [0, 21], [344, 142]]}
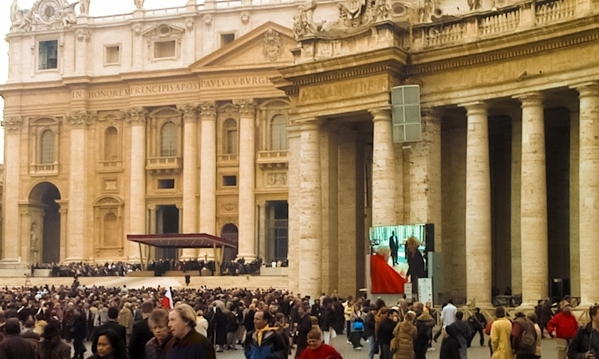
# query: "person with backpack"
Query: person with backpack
{"points": [[524, 337]]}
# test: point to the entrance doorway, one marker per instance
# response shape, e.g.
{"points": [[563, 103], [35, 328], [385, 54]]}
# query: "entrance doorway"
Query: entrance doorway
{"points": [[277, 224], [45, 224], [230, 232], [167, 221]]}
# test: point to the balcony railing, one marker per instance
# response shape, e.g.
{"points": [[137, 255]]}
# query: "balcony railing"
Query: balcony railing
{"points": [[164, 164], [109, 166], [472, 27], [46, 169], [272, 159]]}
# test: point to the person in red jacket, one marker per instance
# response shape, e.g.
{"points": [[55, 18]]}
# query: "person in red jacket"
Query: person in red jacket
{"points": [[563, 327], [317, 349]]}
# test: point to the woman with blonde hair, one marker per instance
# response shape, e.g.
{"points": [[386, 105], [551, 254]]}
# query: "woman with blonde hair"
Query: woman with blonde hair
{"points": [[189, 344]]}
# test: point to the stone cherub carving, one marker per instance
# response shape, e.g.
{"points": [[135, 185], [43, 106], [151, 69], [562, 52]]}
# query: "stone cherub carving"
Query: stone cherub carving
{"points": [[68, 15], [23, 20], [303, 22], [139, 4]]}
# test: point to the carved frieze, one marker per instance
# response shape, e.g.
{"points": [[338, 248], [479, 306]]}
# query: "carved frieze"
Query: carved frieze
{"points": [[276, 179], [80, 119]]}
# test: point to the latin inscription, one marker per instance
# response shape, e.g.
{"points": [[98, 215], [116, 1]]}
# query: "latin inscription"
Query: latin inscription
{"points": [[140, 90], [343, 90]]}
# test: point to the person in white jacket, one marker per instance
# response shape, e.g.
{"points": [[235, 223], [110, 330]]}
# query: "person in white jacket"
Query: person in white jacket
{"points": [[201, 324]]}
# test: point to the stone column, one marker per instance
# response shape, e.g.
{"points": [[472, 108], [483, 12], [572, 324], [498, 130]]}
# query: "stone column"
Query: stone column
{"points": [[589, 192], [12, 183], [310, 209], [247, 180], [208, 172], [190, 175], [533, 229], [383, 169], [478, 205], [516, 237], [574, 201], [76, 229], [137, 182], [293, 200]]}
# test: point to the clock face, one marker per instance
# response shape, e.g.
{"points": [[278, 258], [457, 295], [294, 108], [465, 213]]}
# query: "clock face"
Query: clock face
{"points": [[49, 11]]}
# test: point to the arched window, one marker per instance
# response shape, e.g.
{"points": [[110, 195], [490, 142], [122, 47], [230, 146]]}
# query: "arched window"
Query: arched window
{"points": [[111, 144], [278, 133], [110, 230], [168, 140], [47, 148], [230, 137]]}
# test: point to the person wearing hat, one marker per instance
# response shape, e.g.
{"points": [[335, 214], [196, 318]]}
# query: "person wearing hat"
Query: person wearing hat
{"points": [[562, 327], [52, 346], [14, 346]]}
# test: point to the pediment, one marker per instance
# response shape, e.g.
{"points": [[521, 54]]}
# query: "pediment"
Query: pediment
{"points": [[267, 46], [163, 30]]}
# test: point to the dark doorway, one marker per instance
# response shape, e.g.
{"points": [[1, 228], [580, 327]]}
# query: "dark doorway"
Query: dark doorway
{"points": [[277, 224], [167, 221], [44, 196], [231, 232]]}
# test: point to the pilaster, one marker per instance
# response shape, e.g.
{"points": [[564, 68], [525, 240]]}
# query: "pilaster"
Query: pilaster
{"points": [[293, 200], [12, 139]]}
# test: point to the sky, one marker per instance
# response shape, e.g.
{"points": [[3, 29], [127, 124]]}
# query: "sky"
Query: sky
{"points": [[97, 8]]}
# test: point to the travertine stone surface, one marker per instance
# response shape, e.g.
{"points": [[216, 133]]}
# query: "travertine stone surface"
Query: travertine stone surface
{"points": [[77, 187], [294, 201], [589, 192], [310, 210], [137, 184], [190, 175], [516, 237], [208, 172], [247, 180], [383, 170], [574, 199], [534, 200], [12, 133], [478, 205]]}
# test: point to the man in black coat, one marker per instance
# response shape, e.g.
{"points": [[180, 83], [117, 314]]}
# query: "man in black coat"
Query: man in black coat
{"points": [[112, 324], [141, 333], [13, 346]]}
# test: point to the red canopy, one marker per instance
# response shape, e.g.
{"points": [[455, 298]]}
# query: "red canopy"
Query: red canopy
{"points": [[181, 240]]}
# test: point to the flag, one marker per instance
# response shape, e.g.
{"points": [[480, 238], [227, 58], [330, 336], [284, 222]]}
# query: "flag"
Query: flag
{"points": [[167, 300]]}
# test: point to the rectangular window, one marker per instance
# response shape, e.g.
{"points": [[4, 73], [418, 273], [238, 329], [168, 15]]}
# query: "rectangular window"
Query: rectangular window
{"points": [[229, 181], [166, 183], [112, 55], [226, 39], [48, 55], [165, 49]]}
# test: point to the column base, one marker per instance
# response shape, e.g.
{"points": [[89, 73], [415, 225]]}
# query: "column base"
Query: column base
{"points": [[14, 268]]}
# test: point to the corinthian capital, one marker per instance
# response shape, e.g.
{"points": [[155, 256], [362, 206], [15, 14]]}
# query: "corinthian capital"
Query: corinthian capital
{"points": [[80, 119], [189, 112], [136, 116], [207, 109], [12, 123], [246, 107]]}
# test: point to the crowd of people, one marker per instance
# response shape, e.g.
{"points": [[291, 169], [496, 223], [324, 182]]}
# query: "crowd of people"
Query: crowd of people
{"points": [[158, 323], [160, 267]]}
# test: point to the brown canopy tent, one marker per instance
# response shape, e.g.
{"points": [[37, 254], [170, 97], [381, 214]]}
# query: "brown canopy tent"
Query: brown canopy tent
{"points": [[183, 240]]}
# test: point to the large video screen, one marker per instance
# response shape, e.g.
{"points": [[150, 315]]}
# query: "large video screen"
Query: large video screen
{"points": [[394, 237]]}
